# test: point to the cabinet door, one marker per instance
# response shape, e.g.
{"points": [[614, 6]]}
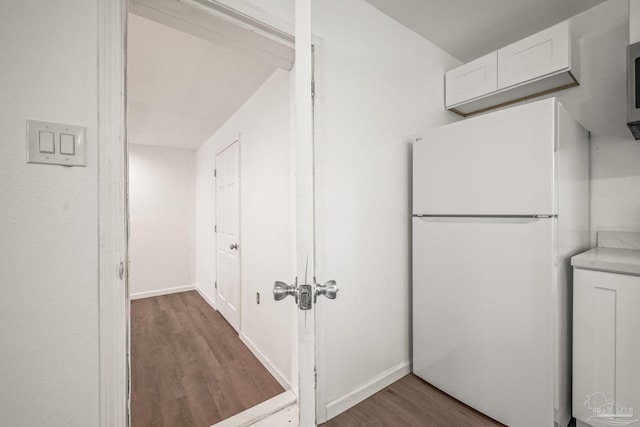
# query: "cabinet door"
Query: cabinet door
{"points": [[468, 81], [606, 343], [543, 53]]}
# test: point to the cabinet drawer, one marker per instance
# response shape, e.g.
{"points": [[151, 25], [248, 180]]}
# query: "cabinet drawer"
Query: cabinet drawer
{"points": [[536, 56], [468, 81]]}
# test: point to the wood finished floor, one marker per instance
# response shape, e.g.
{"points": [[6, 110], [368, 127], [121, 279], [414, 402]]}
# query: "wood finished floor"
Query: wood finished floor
{"points": [[188, 365], [411, 402]]}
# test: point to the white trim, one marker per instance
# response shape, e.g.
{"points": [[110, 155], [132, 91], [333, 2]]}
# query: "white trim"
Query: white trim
{"points": [[321, 309], [206, 298], [368, 389], [284, 417], [305, 221], [258, 14], [220, 24], [266, 362], [112, 214], [159, 292], [243, 20], [293, 321], [260, 411]]}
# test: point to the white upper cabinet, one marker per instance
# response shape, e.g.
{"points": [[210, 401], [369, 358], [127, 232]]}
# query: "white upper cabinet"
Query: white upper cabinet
{"points": [[473, 79], [539, 64], [538, 55]]}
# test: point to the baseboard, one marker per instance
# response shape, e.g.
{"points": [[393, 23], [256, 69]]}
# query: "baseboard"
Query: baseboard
{"points": [[206, 298], [368, 389], [265, 361], [158, 292], [261, 411], [289, 417]]}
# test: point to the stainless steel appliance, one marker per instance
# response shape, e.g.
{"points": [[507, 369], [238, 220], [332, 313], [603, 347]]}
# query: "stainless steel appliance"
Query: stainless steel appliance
{"points": [[633, 89]]}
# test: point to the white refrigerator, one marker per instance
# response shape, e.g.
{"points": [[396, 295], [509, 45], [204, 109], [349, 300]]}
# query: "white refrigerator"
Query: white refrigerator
{"points": [[500, 204]]}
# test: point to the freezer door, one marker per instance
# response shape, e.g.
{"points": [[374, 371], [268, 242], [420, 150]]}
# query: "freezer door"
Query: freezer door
{"points": [[483, 314], [501, 163]]}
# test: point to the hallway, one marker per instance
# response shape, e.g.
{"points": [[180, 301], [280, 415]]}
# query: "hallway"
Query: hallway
{"points": [[188, 365]]}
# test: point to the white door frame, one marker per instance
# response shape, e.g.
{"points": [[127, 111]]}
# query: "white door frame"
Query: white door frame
{"points": [[320, 309], [112, 212], [305, 210]]}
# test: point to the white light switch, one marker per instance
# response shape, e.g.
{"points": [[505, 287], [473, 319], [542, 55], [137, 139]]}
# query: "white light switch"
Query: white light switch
{"points": [[55, 143], [46, 142], [67, 144]]}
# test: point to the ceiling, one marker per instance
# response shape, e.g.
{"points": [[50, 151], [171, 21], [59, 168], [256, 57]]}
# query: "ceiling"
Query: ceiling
{"points": [[181, 88], [468, 29]]}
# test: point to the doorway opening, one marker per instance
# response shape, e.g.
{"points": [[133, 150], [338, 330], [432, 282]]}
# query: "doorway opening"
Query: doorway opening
{"points": [[212, 216]]}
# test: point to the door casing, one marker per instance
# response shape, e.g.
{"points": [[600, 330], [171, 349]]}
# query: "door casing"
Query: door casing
{"points": [[113, 213]]}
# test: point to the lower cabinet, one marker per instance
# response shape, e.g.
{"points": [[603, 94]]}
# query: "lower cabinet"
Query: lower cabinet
{"points": [[606, 347]]}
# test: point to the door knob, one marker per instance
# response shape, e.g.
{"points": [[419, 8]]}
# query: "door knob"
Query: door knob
{"points": [[233, 246], [281, 290], [305, 295], [328, 289]]}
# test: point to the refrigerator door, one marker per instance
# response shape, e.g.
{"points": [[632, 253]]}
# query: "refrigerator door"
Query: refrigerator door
{"points": [[497, 164], [483, 314]]}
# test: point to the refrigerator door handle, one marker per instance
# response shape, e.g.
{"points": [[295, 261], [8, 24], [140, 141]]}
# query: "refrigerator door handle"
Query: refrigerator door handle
{"points": [[485, 219], [483, 216]]}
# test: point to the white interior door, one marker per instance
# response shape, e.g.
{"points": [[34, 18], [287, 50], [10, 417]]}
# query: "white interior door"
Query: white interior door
{"points": [[228, 233]]}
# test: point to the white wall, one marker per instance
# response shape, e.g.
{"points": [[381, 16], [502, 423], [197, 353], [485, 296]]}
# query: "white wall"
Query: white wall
{"points": [[634, 24], [378, 84], [162, 219], [263, 124], [49, 227], [599, 103], [48, 236], [372, 96]]}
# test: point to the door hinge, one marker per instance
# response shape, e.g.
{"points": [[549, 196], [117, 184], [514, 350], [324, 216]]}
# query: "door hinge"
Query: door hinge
{"points": [[215, 173], [128, 377], [313, 89], [216, 284], [215, 228], [315, 378]]}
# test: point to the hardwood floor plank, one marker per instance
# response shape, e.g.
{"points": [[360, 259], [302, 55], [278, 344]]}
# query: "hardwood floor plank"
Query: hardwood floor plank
{"points": [[176, 413], [188, 365], [411, 402]]}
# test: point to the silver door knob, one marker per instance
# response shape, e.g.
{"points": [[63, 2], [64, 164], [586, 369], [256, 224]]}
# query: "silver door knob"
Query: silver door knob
{"points": [[233, 246], [281, 290], [328, 289]]}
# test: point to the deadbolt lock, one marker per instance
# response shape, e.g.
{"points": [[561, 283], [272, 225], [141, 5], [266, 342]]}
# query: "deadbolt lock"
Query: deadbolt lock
{"points": [[304, 297]]}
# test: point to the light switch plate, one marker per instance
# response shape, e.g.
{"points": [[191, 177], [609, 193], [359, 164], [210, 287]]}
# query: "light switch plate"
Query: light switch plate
{"points": [[63, 136]]}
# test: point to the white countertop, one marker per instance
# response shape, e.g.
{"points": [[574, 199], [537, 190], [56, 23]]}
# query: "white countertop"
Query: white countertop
{"points": [[615, 260]]}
